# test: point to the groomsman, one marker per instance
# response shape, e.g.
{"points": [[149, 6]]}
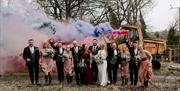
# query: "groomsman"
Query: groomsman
{"points": [[58, 57], [76, 51], [133, 67], [94, 49], [113, 60], [31, 55]]}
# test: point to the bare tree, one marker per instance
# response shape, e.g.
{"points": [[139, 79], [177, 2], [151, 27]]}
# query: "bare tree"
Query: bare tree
{"points": [[114, 11], [62, 9]]}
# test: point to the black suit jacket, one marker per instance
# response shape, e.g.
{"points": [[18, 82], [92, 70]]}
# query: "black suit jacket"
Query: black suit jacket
{"points": [[131, 49], [76, 56], [111, 54], [27, 54], [56, 51], [96, 51]]}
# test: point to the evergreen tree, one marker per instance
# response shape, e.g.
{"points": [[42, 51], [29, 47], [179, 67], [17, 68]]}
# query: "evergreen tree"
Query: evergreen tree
{"points": [[172, 38], [143, 25], [157, 34], [113, 18]]}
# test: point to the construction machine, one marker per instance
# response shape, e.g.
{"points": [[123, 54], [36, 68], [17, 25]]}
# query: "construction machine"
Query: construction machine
{"points": [[157, 47]]}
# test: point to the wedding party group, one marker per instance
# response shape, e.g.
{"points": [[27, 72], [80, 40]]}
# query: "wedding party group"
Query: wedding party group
{"points": [[97, 64]]}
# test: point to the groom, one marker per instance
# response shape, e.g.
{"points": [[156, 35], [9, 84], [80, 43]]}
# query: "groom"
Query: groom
{"points": [[31, 55], [94, 49]]}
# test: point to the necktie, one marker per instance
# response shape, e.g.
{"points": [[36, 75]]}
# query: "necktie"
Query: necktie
{"points": [[94, 48]]}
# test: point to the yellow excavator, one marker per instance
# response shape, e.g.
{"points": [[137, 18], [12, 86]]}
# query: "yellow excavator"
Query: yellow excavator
{"points": [[157, 47]]}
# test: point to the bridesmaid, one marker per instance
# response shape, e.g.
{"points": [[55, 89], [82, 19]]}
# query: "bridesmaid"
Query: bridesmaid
{"points": [[68, 64], [88, 73], [125, 58], [145, 69], [46, 62]]}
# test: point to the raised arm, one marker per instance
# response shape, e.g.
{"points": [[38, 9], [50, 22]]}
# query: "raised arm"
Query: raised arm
{"points": [[127, 44], [52, 45]]}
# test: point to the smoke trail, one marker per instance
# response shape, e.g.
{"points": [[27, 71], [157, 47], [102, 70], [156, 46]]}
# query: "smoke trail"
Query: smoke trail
{"points": [[21, 20]]}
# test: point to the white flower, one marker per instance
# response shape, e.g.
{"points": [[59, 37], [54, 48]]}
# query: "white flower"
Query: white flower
{"points": [[98, 59], [126, 58], [49, 52], [138, 58]]}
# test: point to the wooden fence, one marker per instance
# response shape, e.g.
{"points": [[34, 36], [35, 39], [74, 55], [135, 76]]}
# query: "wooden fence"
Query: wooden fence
{"points": [[173, 53]]}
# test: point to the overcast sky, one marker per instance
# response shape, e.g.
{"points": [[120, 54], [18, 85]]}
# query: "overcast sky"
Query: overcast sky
{"points": [[161, 16]]}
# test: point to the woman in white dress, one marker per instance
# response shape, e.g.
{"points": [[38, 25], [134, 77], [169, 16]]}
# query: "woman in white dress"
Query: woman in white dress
{"points": [[102, 66]]}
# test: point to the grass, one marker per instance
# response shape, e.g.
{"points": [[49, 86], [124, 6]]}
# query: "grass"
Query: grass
{"points": [[165, 71], [20, 82]]}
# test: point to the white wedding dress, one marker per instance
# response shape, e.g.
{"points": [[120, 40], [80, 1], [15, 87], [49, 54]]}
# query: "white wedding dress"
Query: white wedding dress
{"points": [[102, 68]]}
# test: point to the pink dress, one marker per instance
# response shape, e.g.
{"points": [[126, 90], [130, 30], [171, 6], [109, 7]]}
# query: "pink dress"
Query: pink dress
{"points": [[46, 62], [68, 65], [145, 69], [124, 67]]}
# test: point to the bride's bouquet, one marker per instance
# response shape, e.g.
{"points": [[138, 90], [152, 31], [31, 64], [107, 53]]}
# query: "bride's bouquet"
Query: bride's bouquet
{"points": [[98, 59]]}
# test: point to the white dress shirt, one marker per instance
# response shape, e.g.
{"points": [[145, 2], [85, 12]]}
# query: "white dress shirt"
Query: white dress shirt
{"points": [[76, 49], [135, 51], [115, 52], [32, 49], [60, 50]]}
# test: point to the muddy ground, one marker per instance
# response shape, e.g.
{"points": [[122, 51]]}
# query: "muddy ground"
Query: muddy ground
{"points": [[164, 80]]}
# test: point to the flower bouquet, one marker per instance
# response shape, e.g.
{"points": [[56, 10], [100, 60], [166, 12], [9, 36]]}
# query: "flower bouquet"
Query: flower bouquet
{"points": [[82, 65], [126, 58], [137, 58], [49, 53], [98, 59]]}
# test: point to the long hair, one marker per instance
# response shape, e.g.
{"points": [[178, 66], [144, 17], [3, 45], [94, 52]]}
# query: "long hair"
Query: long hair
{"points": [[123, 48], [44, 45], [104, 46]]}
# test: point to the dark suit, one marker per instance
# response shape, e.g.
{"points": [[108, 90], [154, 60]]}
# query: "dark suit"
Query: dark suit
{"points": [[113, 61], [33, 64], [133, 67], [94, 64], [78, 70], [58, 57]]}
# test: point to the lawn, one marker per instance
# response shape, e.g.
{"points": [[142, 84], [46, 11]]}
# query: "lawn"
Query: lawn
{"points": [[164, 80]]}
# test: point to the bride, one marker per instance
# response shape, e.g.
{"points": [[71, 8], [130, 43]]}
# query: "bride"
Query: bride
{"points": [[102, 65]]}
